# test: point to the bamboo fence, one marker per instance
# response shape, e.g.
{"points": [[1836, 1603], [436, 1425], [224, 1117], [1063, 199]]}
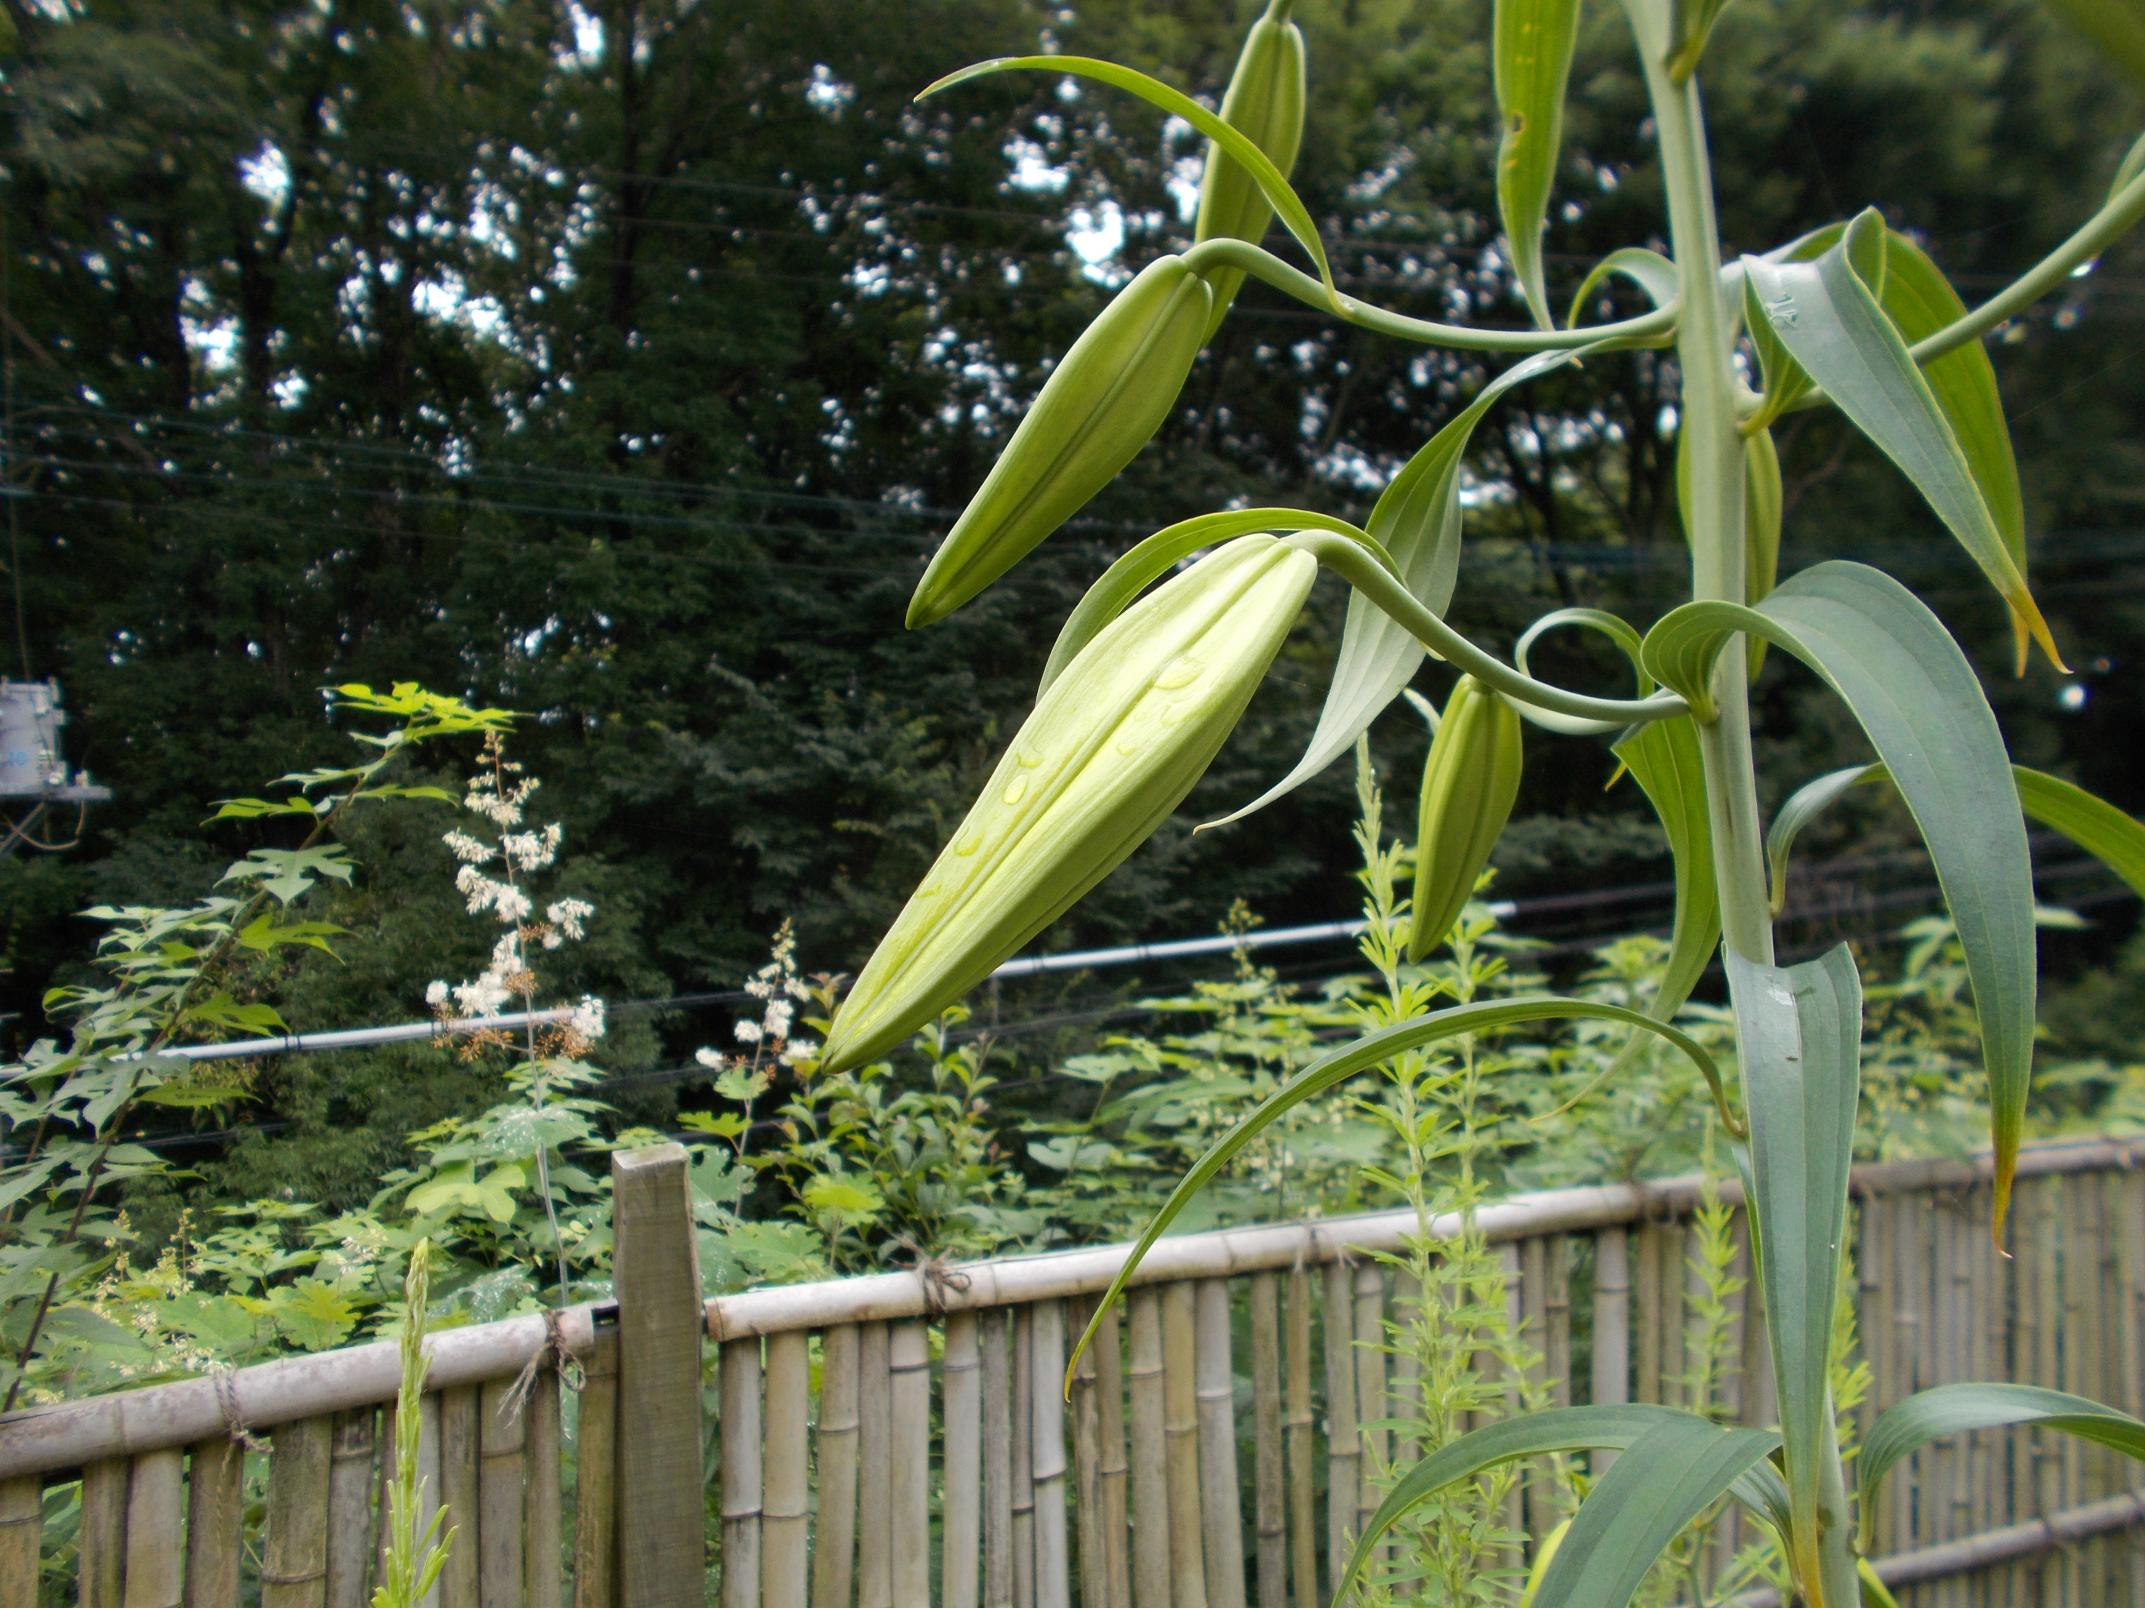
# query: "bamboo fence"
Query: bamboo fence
{"points": [[903, 1439]]}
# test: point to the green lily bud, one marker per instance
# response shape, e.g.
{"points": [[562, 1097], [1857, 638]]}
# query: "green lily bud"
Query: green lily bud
{"points": [[1106, 397], [1111, 748], [1469, 783], [1265, 101]]}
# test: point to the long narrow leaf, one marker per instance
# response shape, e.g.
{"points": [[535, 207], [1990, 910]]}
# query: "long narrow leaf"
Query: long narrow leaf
{"points": [[2115, 839], [1373, 1049], [1904, 678], [1831, 323], [1532, 46], [1799, 1033], [1557, 1429], [1906, 1426], [1920, 301], [1664, 1480], [1272, 182], [1417, 520], [1663, 758]]}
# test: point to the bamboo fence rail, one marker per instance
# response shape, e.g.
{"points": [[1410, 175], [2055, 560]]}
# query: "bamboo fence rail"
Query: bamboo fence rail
{"points": [[903, 1439]]}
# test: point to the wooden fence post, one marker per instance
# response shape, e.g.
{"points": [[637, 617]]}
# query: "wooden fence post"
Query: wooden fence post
{"points": [[662, 1551]]}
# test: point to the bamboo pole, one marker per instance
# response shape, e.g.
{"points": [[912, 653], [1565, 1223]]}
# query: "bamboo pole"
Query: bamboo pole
{"points": [[875, 1468], [784, 1544], [2129, 1194], [1344, 1449], [743, 1488], [155, 1498], [1046, 1363], [294, 1571], [1933, 1493], [22, 1517], [1151, 1566], [2078, 1276], [1611, 1381], [1110, 1386], [350, 1484], [1515, 1496], [2047, 1298], [546, 1559], [595, 1497], [1268, 1506], [1087, 1474], [1537, 1496], [1647, 1278], [997, 1460], [962, 1551], [909, 1401], [215, 1508], [456, 1490], [1869, 1282], [1023, 1481], [1980, 1296], [101, 1532], [1675, 1311], [1370, 1397], [834, 1556], [502, 1538], [1557, 1318], [1181, 1427], [1302, 1474], [1220, 1494], [662, 1553]]}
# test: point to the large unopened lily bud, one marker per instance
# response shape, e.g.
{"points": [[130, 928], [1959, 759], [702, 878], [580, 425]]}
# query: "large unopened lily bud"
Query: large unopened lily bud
{"points": [[1265, 100], [1469, 783], [1112, 747], [1106, 397]]}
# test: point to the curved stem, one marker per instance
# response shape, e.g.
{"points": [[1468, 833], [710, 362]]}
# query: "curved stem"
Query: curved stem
{"points": [[1650, 329], [1357, 565], [2123, 211]]}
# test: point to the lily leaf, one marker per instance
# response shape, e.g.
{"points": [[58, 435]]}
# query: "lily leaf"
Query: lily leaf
{"points": [[1559, 1429], [1663, 758], [1799, 1033], [1272, 182], [1649, 270], [1532, 44], [1906, 1426], [1417, 520], [1907, 683], [1829, 320], [1660, 1484], [1337, 1066], [2115, 839]]}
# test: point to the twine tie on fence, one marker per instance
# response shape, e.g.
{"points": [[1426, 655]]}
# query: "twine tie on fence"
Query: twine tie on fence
{"points": [[554, 1347], [234, 1420], [939, 1277]]}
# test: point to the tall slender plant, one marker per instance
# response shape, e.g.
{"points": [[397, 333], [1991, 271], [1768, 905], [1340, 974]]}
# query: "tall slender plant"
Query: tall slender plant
{"points": [[1142, 690]]}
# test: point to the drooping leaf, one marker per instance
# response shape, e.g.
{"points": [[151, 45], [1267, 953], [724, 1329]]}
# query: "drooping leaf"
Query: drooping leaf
{"points": [[1662, 1482], [1156, 556], [1558, 1429], [1920, 301], [2115, 839], [1906, 1426], [1653, 273], [1831, 323], [1799, 1035], [1337, 1066], [2129, 169], [1417, 520], [1663, 759], [1532, 50], [1693, 27], [1272, 183], [1915, 696]]}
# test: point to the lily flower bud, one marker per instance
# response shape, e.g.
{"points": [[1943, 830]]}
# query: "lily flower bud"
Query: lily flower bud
{"points": [[1469, 783], [1106, 398], [1112, 747], [1265, 100]]}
